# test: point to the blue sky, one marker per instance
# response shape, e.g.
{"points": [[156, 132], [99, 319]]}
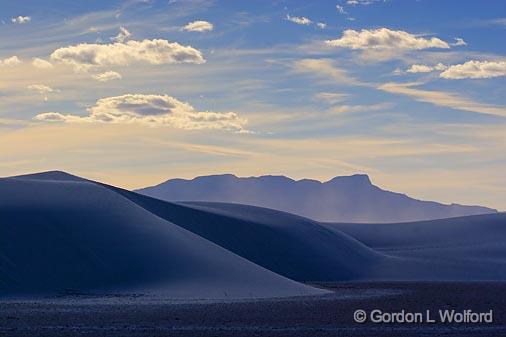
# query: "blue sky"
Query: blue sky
{"points": [[136, 92]]}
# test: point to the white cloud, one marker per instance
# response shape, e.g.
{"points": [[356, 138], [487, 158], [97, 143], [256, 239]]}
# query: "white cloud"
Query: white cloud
{"points": [[422, 68], [360, 2], [10, 61], [442, 98], [384, 38], [298, 20], [56, 117], [321, 25], [198, 26], [42, 89], [419, 68], [21, 19], [340, 9], [153, 110], [475, 69], [359, 108], [107, 76], [459, 42], [40, 63], [85, 55], [122, 36]]}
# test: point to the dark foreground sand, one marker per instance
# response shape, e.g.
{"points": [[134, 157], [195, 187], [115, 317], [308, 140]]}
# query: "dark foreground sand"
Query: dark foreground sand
{"points": [[330, 315]]}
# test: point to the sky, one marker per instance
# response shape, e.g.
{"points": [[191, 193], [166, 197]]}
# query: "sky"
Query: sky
{"points": [[136, 92]]}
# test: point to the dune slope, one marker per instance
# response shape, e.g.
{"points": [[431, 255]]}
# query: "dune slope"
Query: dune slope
{"points": [[478, 238], [295, 247], [457, 249], [61, 234]]}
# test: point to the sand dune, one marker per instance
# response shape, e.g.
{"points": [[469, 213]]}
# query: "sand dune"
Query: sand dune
{"points": [[455, 249], [295, 247], [479, 238], [59, 233]]}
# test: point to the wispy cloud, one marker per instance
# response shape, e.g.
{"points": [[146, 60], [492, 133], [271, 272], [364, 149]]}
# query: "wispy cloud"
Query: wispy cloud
{"points": [[492, 22], [442, 98], [42, 89], [324, 68], [122, 36], [340, 9], [361, 2], [331, 97], [340, 109]]}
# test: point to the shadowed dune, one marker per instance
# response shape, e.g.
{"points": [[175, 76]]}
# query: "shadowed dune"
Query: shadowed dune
{"points": [[295, 247], [454, 249], [480, 237], [62, 233]]}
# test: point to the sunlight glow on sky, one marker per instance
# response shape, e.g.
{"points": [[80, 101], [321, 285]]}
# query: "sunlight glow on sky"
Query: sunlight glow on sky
{"points": [[136, 92]]}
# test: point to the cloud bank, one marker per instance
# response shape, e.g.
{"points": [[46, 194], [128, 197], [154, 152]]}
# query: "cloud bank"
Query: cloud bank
{"points": [[152, 110]]}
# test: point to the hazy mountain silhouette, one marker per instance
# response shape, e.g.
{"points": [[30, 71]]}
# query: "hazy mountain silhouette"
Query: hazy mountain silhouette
{"points": [[341, 199]]}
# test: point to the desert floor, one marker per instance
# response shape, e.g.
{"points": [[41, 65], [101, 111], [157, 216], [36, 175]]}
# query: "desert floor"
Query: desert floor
{"points": [[329, 315]]}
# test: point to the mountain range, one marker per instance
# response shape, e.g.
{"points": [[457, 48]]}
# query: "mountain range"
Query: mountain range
{"points": [[342, 199]]}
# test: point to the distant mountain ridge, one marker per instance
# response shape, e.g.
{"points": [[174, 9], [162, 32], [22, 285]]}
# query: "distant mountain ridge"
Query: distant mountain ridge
{"points": [[342, 199]]}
